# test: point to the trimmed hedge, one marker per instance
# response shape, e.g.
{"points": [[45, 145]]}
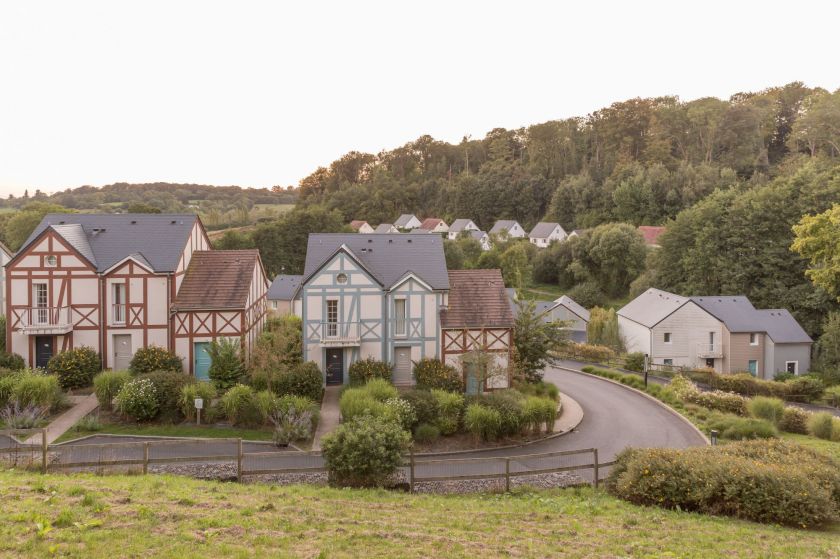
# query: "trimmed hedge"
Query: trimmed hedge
{"points": [[796, 389], [75, 367], [430, 374], [367, 369], [154, 358], [765, 481]]}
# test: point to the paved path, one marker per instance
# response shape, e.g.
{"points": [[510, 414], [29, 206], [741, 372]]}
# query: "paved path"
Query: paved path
{"points": [[68, 419], [330, 415]]}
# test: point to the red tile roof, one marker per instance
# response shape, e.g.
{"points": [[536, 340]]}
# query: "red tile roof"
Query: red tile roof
{"points": [[651, 233], [217, 279], [430, 223], [477, 299], [357, 223]]}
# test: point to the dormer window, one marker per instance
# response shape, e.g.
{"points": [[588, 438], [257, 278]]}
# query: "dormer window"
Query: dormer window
{"points": [[51, 261]]}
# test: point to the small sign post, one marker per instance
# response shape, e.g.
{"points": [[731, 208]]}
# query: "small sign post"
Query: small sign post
{"points": [[647, 366], [199, 404]]}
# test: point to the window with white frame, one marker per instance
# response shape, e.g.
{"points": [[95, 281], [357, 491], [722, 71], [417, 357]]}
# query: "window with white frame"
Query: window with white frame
{"points": [[40, 301], [753, 339], [666, 337], [51, 261], [399, 317], [792, 367], [118, 303], [332, 317], [668, 362]]}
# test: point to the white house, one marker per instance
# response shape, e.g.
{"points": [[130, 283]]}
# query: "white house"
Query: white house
{"points": [[459, 226], [482, 238], [407, 222], [434, 225], [544, 233], [360, 226], [384, 228], [511, 227], [5, 256]]}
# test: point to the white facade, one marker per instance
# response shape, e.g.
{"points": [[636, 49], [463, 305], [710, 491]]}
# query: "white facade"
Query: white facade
{"points": [[459, 226], [512, 229], [557, 234]]}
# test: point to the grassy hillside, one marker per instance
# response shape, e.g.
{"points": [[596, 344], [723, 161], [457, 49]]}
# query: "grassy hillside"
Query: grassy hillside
{"points": [[164, 516]]}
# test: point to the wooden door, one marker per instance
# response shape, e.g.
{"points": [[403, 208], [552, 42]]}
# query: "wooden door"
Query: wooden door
{"points": [[44, 348], [335, 366], [201, 361], [402, 366]]}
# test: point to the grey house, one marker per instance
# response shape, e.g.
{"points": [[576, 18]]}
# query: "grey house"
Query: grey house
{"points": [[282, 294]]}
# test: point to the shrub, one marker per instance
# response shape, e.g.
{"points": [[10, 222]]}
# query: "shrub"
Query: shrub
{"points": [[365, 452], [832, 395], [304, 379], [764, 481], [190, 392], [426, 433], [381, 390], [266, 403], [433, 373], [16, 416], [593, 353], [355, 402], [294, 419], [423, 403], [364, 370], [11, 361], [226, 367], [794, 420], [450, 408], [168, 385], [718, 400], [137, 399], [588, 294], [401, 412], [537, 412], [804, 389], [240, 407], [484, 423], [739, 428], [75, 367], [542, 389], [783, 376], [106, 386], [635, 361], [820, 425], [154, 358], [279, 347], [509, 405], [770, 409], [39, 390], [7, 389]]}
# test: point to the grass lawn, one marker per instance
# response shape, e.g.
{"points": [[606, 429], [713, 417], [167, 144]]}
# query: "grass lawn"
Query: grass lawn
{"points": [[830, 448], [170, 430], [165, 516]]}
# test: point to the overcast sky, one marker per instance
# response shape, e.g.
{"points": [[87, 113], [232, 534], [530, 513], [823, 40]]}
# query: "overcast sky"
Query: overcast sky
{"points": [[262, 93]]}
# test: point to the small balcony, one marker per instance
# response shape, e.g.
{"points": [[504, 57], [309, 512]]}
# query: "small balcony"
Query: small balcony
{"points": [[46, 320], [340, 334], [709, 351]]}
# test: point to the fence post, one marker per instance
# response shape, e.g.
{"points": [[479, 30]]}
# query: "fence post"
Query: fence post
{"points": [[595, 456], [507, 474], [238, 459], [411, 470], [44, 449], [146, 457]]}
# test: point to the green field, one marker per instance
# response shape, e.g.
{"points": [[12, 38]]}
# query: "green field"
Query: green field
{"points": [[165, 516]]}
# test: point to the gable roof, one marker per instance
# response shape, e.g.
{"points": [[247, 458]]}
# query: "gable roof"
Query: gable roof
{"points": [[477, 235], [387, 257], [383, 228], [460, 224], [283, 287], [651, 307], [6, 250], [431, 222], [573, 306], [105, 239], [651, 234], [503, 225], [357, 223], [544, 229], [782, 327], [403, 220], [477, 298], [217, 279], [739, 315]]}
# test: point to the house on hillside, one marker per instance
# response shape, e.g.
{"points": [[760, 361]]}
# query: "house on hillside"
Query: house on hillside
{"points": [[724, 333], [360, 226], [385, 228], [378, 296], [482, 238], [508, 226], [434, 225], [563, 309], [459, 226], [119, 282], [544, 233], [651, 234], [281, 294], [5, 256], [407, 222]]}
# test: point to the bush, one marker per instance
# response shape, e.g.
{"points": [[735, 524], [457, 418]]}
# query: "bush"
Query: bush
{"points": [[783, 376], [294, 419], [739, 428], [770, 409], [426, 433], [7, 389], [450, 408], [764, 481], [593, 353], [538, 411], [190, 392], [381, 390], [154, 358], [240, 407], [794, 420], [267, 404], [509, 405], [484, 423], [832, 395], [635, 361], [820, 425], [365, 452], [75, 367], [138, 400], [588, 294], [435, 374], [798, 389], [401, 412], [11, 361], [364, 370], [279, 347], [16, 416], [804, 389], [304, 379], [35, 389], [542, 389], [168, 385], [423, 403], [226, 367], [718, 400], [106, 386], [371, 399]]}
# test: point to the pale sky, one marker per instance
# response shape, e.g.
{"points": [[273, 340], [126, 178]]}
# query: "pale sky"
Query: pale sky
{"points": [[262, 93]]}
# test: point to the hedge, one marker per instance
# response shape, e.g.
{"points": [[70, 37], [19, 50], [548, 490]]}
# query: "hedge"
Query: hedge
{"points": [[304, 379], [75, 367], [367, 369], [154, 358], [432, 373]]}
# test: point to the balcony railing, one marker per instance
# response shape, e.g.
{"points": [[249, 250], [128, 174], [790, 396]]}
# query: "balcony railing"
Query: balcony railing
{"points": [[340, 333], [118, 314], [46, 320], [708, 351]]}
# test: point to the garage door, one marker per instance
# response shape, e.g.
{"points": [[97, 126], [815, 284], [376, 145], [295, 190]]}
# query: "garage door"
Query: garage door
{"points": [[402, 366]]}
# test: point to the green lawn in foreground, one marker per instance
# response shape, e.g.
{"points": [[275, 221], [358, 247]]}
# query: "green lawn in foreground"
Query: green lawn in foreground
{"points": [[830, 448], [167, 430], [165, 516]]}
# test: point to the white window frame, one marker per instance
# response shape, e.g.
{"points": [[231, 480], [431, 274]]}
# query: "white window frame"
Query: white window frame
{"points": [[667, 338], [51, 261], [41, 311], [668, 362], [753, 339], [332, 321], [119, 306], [795, 367], [401, 332]]}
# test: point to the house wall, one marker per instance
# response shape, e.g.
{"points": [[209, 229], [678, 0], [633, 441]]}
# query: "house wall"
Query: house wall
{"points": [[777, 355], [203, 326], [422, 330], [468, 227], [441, 227], [636, 337], [689, 327], [365, 228], [562, 313], [739, 352], [497, 342], [256, 310]]}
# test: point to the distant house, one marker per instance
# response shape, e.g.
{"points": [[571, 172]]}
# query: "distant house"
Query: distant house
{"points": [[544, 233], [510, 226], [575, 233], [282, 294], [482, 238], [434, 225], [563, 309], [459, 226], [421, 231], [384, 228], [651, 234], [360, 226], [407, 222], [5, 256], [725, 333]]}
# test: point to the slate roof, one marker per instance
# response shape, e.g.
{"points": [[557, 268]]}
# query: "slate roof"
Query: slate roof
{"points": [[651, 307], [782, 327], [543, 230], [651, 234], [217, 279], [502, 225], [383, 228], [388, 258], [283, 287], [573, 306], [477, 298], [106, 239], [739, 315], [459, 225], [403, 220]]}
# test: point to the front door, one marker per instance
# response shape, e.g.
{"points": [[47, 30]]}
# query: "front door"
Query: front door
{"points": [[335, 366], [201, 361], [122, 351], [471, 384], [710, 363], [402, 367], [43, 351]]}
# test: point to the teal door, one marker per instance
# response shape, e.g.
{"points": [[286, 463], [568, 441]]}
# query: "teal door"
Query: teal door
{"points": [[201, 360], [471, 379], [753, 366]]}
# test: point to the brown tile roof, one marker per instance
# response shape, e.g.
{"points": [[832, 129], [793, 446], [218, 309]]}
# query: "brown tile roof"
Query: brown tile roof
{"points": [[651, 233], [430, 223], [477, 298], [357, 223], [217, 279]]}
